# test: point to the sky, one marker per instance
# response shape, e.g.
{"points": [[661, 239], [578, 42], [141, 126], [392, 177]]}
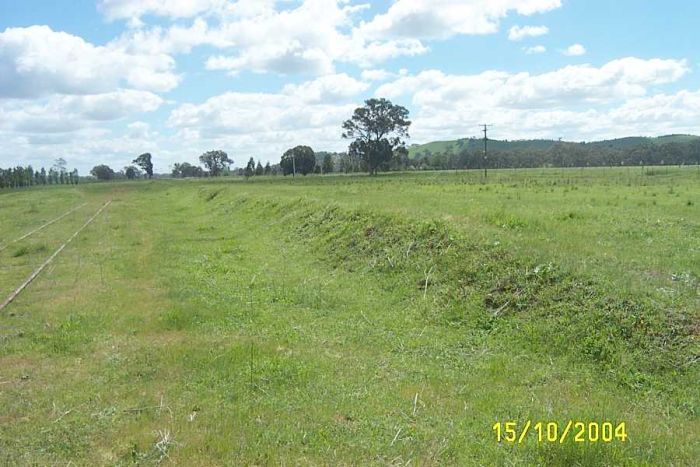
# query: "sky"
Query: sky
{"points": [[103, 81]]}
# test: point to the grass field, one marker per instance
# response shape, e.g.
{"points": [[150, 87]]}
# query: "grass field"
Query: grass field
{"points": [[353, 319]]}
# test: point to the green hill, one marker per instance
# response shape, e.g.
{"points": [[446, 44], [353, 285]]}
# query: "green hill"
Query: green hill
{"points": [[475, 144]]}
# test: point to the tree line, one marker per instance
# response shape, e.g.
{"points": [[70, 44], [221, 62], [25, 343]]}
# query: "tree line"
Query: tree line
{"points": [[18, 177], [142, 169], [297, 160], [216, 163], [561, 154]]}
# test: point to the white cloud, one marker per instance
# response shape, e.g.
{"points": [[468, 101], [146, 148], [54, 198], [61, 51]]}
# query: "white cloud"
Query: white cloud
{"points": [[134, 9], [165, 41], [278, 58], [430, 19], [37, 61], [281, 41], [139, 130], [266, 124], [627, 77], [369, 53], [537, 49], [569, 101], [517, 33], [111, 105], [255, 115], [58, 114], [376, 75], [59, 91], [575, 50], [326, 89], [260, 36]]}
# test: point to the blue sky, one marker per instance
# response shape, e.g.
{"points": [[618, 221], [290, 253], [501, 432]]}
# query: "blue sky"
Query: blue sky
{"points": [[103, 81]]}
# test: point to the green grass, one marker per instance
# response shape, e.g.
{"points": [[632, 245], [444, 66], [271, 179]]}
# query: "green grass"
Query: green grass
{"points": [[353, 320]]}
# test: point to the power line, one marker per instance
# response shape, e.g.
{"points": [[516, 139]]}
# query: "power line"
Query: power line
{"points": [[486, 127]]}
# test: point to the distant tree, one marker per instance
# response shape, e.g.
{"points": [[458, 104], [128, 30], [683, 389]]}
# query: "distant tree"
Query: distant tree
{"points": [[144, 161], [59, 165], [131, 172], [400, 159], [327, 164], [300, 158], [52, 176], [249, 168], [28, 176], [102, 172], [187, 170], [215, 161], [259, 169], [347, 163], [377, 130], [267, 170]]}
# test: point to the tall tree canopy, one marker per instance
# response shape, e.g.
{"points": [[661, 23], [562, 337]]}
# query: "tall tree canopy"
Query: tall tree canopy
{"points": [[102, 172], [215, 161], [186, 169], [377, 130], [144, 161], [59, 165], [249, 168], [301, 157], [327, 163], [131, 172]]}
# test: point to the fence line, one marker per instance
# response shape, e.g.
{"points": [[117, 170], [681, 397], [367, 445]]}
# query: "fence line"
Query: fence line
{"points": [[33, 276], [2, 247]]}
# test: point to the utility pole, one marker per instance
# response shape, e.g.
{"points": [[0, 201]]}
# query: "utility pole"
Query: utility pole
{"points": [[294, 165], [486, 127]]}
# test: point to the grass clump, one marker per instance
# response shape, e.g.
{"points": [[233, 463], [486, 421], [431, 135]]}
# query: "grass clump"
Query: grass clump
{"points": [[21, 251], [25, 250]]}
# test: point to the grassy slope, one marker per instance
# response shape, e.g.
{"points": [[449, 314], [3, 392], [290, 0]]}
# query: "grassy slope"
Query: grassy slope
{"points": [[255, 327], [636, 230]]}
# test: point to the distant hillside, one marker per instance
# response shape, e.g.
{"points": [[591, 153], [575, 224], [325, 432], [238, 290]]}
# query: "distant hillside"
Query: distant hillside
{"points": [[629, 142], [474, 144]]}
